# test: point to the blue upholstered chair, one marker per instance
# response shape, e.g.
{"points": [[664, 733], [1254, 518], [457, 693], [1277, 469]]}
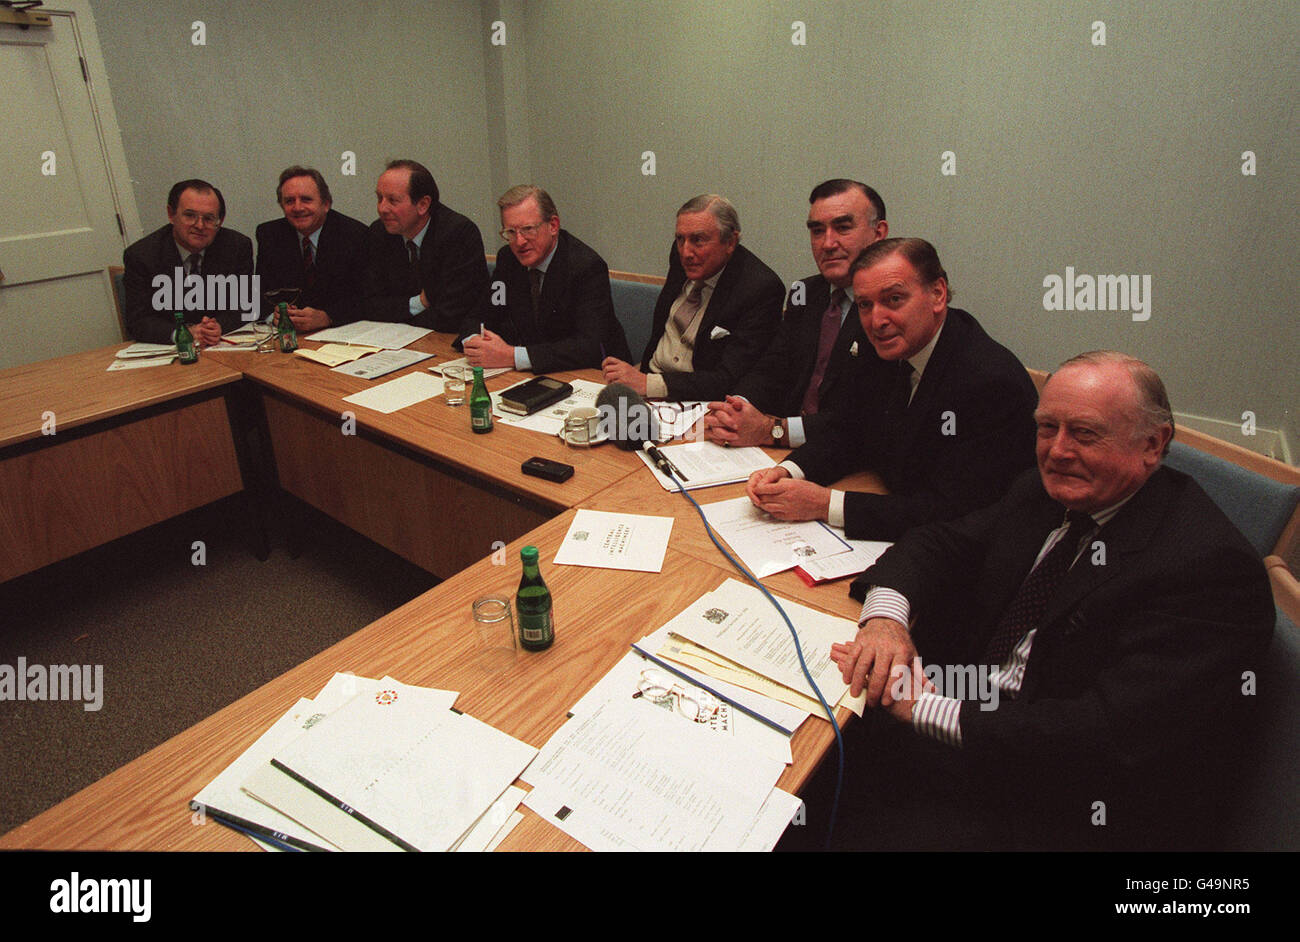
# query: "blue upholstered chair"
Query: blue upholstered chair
{"points": [[1260, 506], [634, 305]]}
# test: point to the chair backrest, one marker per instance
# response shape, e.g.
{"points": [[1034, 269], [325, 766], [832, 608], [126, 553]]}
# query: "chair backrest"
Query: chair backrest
{"points": [[1260, 507], [118, 275], [634, 305], [1263, 813]]}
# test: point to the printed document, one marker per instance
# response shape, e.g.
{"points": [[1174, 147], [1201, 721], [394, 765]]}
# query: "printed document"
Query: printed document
{"points": [[615, 541], [626, 778], [767, 545], [372, 334], [705, 464]]}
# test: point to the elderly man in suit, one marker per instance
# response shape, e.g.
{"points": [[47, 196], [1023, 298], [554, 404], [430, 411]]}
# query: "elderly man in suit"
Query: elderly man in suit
{"points": [[193, 243], [1117, 612], [718, 310], [313, 250], [820, 358], [949, 429], [550, 306], [426, 265]]}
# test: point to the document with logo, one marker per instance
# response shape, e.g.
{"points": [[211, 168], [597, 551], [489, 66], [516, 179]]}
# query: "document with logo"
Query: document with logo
{"points": [[381, 364], [862, 555], [413, 771], [767, 545], [615, 541]]}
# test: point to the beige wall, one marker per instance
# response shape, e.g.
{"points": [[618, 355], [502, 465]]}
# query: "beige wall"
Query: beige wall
{"points": [[1115, 159]]}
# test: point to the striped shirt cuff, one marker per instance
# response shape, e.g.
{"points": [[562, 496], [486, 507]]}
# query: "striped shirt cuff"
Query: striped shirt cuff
{"points": [[938, 717], [882, 602]]}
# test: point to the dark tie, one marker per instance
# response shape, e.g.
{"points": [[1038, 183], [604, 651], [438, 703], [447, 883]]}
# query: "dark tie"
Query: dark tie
{"points": [[308, 262], [535, 290], [194, 264], [1029, 605], [825, 344], [413, 255]]}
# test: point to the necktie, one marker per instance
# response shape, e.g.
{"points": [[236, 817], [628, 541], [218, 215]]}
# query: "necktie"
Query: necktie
{"points": [[1029, 605], [308, 262], [194, 264], [830, 330], [413, 256], [688, 307]]}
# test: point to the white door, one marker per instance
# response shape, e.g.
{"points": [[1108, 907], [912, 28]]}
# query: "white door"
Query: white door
{"points": [[60, 226]]}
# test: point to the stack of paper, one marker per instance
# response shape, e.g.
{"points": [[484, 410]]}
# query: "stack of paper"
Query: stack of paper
{"points": [[373, 765], [767, 545], [615, 541]]}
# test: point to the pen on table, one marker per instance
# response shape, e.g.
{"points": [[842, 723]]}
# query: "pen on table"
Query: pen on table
{"points": [[687, 677]]}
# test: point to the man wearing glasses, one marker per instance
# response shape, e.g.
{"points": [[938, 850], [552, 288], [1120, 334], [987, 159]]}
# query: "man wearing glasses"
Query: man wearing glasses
{"points": [[549, 307], [425, 262], [192, 243], [717, 313]]}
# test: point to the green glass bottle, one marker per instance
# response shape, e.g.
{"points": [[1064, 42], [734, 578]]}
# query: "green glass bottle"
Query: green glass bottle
{"points": [[533, 605], [286, 336], [480, 405], [189, 353]]}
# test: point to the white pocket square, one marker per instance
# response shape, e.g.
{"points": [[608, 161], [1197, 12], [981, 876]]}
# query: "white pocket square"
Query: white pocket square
{"points": [[718, 333], [853, 350]]}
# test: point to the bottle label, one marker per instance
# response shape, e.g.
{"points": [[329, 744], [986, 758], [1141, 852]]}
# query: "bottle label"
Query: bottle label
{"points": [[536, 628], [480, 421]]}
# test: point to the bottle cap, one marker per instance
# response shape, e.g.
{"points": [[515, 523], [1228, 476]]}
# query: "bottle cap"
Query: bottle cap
{"points": [[528, 554], [478, 372]]}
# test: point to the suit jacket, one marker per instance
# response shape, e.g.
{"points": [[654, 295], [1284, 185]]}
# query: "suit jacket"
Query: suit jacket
{"points": [[576, 317], [777, 382], [746, 302], [968, 431], [1134, 680], [231, 253], [338, 284], [452, 272]]}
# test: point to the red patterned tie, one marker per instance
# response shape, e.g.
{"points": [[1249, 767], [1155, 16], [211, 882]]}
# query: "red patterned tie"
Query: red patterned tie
{"points": [[830, 330]]}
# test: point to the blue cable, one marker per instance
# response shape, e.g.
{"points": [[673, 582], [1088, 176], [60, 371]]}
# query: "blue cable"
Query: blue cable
{"points": [[798, 649]]}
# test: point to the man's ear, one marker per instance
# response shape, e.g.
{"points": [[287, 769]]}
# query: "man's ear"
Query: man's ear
{"points": [[424, 205]]}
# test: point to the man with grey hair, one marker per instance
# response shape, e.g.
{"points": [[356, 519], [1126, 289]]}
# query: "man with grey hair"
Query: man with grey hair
{"points": [[549, 305], [1115, 608], [717, 313]]}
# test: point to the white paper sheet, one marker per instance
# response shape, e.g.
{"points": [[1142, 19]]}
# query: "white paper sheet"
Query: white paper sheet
{"points": [[488, 372], [627, 778], [706, 464], [615, 541], [137, 363], [398, 393], [767, 545], [372, 334], [407, 766], [223, 795], [861, 556]]}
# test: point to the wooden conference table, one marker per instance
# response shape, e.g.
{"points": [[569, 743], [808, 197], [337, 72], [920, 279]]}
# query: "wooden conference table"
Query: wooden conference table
{"points": [[430, 640]]}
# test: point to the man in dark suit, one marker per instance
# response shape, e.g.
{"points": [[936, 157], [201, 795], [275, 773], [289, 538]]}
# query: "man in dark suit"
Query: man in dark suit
{"points": [[550, 306], [313, 249], [1113, 611], [193, 243], [949, 430], [426, 265], [819, 357], [718, 310]]}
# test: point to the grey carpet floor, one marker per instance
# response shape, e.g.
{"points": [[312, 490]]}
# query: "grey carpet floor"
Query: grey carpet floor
{"points": [[177, 641]]}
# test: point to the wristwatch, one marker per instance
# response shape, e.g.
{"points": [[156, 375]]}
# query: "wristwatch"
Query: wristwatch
{"points": [[778, 431]]}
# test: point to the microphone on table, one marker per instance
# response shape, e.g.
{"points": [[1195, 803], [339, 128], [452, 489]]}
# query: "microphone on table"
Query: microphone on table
{"points": [[631, 423]]}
